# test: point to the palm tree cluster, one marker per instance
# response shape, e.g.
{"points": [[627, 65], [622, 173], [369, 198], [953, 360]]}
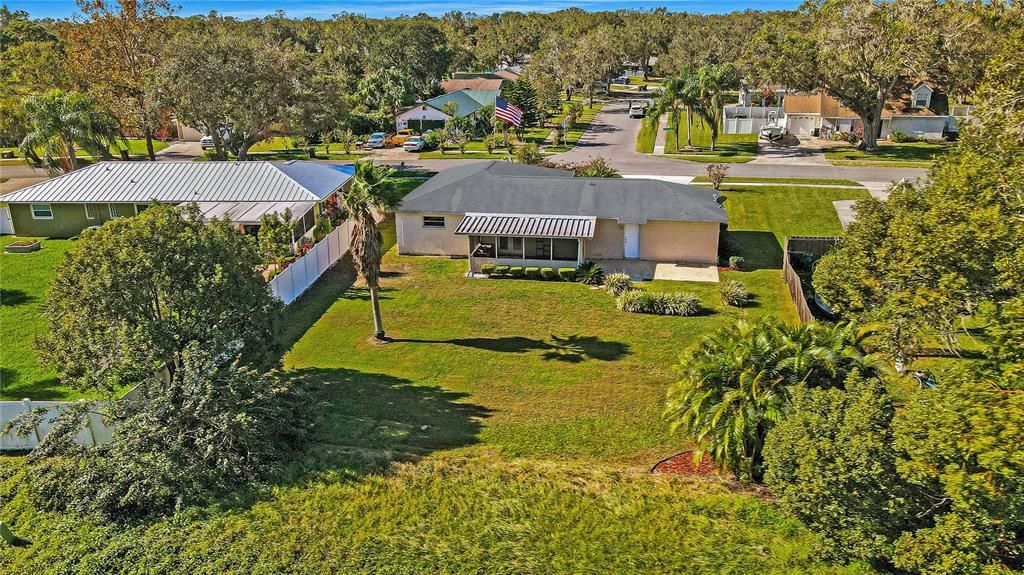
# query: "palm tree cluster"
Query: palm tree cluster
{"points": [[702, 92], [737, 383], [61, 120]]}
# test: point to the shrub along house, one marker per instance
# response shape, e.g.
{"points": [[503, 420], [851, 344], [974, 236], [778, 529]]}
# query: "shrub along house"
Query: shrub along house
{"points": [[502, 213], [239, 191]]}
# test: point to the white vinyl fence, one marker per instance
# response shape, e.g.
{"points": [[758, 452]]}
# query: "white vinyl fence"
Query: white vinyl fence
{"points": [[95, 432], [747, 119], [288, 285]]}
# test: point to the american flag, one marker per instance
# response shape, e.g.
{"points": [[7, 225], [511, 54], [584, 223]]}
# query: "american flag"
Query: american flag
{"points": [[508, 112]]}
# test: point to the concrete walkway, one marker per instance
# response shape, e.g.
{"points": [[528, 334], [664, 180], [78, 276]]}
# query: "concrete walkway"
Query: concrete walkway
{"points": [[660, 135], [790, 151], [180, 152], [646, 270]]}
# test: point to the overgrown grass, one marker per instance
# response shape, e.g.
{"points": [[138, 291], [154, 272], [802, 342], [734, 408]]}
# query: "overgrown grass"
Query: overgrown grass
{"points": [[761, 217], [908, 154], [23, 282]]}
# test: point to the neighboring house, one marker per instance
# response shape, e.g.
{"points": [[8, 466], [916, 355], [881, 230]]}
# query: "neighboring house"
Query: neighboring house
{"points": [[921, 112], [239, 191], [430, 114], [514, 214], [749, 96]]}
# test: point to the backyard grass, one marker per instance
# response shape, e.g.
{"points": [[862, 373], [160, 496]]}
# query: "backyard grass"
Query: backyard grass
{"points": [[23, 282], [506, 429], [761, 217], [908, 154]]}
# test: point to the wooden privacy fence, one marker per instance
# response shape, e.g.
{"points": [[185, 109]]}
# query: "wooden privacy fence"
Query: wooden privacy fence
{"points": [[817, 246], [288, 285]]}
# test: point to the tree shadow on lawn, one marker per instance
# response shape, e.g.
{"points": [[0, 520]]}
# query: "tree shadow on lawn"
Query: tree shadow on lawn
{"points": [[14, 297], [760, 250], [569, 349], [48, 389]]}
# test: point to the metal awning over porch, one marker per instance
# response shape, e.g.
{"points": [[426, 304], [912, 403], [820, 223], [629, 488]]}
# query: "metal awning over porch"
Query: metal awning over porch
{"points": [[249, 213], [528, 226]]}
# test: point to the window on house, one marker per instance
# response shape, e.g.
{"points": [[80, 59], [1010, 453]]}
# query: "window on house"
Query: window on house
{"points": [[482, 246], [564, 250], [433, 221], [42, 212], [509, 247], [139, 208], [113, 211], [538, 248], [92, 211]]}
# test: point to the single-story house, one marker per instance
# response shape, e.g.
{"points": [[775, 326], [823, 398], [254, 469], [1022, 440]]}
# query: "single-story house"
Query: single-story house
{"points": [[239, 191], [485, 81], [430, 114], [513, 214], [921, 112]]}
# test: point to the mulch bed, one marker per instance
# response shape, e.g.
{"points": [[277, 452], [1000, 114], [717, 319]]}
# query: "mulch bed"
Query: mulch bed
{"points": [[682, 464]]}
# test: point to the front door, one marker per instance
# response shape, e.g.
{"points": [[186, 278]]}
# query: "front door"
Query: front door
{"points": [[631, 241]]}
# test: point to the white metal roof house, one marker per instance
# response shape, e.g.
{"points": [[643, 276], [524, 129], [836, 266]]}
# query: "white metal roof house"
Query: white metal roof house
{"points": [[513, 214], [239, 191]]}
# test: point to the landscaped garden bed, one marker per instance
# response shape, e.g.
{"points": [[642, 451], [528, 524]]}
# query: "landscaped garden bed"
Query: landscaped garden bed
{"points": [[684, 464]]}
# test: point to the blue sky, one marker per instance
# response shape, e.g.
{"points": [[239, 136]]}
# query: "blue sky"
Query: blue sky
{"points": [[319, 9]]}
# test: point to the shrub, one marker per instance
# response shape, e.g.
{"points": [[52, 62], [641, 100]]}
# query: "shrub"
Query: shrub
{"points": [[736, 262], [658, 303], [734, 294], [501, 270], [532, 272], [716, 174], [528, 154], [567, 274], [516, 271], [899, 136], [590, 273], [487, 269], [490, 142], [617, 283], [548, 273]]}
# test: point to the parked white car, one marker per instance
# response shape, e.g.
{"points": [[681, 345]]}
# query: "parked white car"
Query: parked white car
{"points": [[206, 142], [413, 144], [637, 111], [378, 140]]}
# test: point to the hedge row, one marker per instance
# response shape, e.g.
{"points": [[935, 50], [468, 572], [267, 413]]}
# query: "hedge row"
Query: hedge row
{"points": [[547, 273]]}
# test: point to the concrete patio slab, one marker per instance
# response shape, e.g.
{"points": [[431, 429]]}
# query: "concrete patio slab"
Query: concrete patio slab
{"points": [[646, 270]]}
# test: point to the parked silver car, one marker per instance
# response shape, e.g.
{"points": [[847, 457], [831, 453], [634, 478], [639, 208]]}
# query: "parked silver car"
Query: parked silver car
{"points": [[413, 144]]}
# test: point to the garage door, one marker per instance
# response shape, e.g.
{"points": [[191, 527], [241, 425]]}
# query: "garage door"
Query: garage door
{"points": [[801, 125]]}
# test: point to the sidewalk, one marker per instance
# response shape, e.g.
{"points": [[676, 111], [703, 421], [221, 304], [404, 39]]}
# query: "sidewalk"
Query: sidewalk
{"points": [[659, 138]]}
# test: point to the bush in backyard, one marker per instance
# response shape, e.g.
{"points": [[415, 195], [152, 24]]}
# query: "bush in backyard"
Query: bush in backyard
{"points": [[595, 168], [501, 270], [658, 303], [590, 273], [716, 174], [487, 269], [736, 262], [532, 272], [548, 273], [734, 294], [516, 271], [567, 274], [617, 283]]}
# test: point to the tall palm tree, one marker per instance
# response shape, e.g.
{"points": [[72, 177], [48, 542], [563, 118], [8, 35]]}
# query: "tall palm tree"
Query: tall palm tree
{"points": [[680, 90], [370, 197], [711, 83], [63, 120], [738, 382]]}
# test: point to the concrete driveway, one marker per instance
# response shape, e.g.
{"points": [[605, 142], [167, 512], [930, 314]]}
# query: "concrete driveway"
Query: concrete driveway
{"points": [[790, 151]]}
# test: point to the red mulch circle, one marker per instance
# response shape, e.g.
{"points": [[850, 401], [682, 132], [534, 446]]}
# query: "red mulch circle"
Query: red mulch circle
{"points": [[682, 464]]}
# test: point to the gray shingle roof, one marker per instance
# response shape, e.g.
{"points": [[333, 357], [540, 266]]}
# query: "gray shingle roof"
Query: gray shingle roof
{"points": [[173, 182], [498, 187]]}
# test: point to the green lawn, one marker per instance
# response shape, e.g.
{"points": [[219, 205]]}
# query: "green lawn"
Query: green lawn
{"points": [[909, 154], [648, 133], [760, 218], [730, 148], [135, 146], [23, 282], [753, 180], [507, 429]]}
